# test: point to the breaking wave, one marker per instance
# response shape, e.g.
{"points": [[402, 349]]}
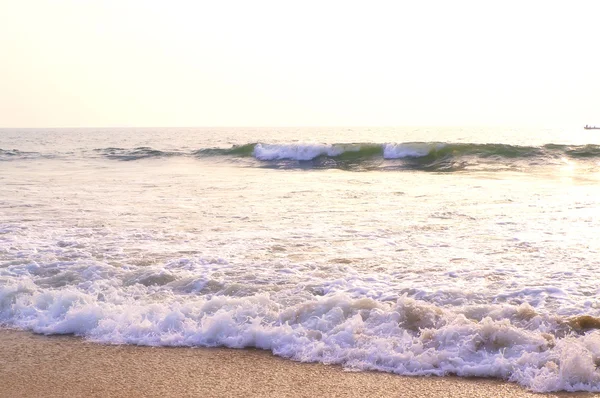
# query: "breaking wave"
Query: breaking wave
{"points": [[297, 151], [424, 156]]}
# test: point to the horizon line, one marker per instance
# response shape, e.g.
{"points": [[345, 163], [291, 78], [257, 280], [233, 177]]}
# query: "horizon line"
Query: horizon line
{"points": [[292, 126]]}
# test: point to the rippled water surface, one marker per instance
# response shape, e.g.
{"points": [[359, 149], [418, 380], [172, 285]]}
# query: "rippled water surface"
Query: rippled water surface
{"points": [[416, 251]]}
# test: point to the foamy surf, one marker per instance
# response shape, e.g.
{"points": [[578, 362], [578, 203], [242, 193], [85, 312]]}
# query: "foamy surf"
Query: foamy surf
{"points": [[406, 336], [191, 240]]}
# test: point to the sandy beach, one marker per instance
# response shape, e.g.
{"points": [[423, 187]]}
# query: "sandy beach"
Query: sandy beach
{"points": [[65, 366]]}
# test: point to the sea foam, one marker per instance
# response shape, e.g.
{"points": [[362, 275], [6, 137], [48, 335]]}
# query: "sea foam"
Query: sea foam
{"points": [[296, 151], [406, 336]]}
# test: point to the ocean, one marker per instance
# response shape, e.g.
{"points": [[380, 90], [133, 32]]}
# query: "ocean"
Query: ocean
{"points": [[416, 251]]}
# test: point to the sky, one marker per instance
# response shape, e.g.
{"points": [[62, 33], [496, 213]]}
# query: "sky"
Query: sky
{"points": [[144, 63]]}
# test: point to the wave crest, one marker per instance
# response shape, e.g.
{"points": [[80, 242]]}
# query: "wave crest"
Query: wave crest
{"points": [[134, 153], [420, 156]]}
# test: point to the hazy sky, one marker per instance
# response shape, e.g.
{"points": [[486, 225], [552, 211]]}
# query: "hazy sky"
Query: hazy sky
{"points": [[283, 63]]}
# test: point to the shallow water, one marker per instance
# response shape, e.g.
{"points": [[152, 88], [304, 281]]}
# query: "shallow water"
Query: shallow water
{"points": [[414, 251]]}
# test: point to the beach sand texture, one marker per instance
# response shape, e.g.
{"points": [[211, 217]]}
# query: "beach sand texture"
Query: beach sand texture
{"points": [[65, 366]]}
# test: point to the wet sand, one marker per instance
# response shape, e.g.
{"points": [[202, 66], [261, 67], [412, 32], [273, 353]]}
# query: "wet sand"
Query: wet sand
{"points": [[65, 366]]}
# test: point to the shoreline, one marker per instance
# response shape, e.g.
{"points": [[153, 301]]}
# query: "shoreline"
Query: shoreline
{"points": [[34, 365]]}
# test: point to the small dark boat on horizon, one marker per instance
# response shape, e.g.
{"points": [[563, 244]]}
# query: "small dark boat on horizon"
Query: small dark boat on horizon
{"points": [[586, 127]]}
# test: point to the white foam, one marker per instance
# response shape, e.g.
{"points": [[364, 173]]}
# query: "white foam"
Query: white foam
{"points": [[407, 337], [300, 151], [410, 150], [312, 266]]}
